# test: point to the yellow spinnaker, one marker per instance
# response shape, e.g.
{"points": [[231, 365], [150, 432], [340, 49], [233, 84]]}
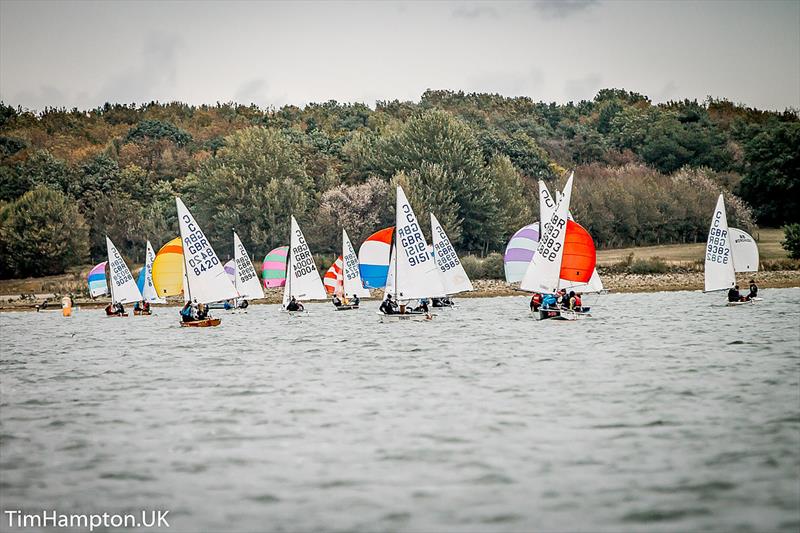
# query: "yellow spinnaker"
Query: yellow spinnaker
{"points": [[168, 269]]}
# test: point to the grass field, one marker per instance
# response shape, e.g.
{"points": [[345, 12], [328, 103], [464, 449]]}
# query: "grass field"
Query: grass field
{"points": [[768, 239]]}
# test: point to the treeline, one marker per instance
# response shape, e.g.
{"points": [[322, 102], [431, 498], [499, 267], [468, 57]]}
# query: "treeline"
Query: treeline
{"points": [[645, 174]]}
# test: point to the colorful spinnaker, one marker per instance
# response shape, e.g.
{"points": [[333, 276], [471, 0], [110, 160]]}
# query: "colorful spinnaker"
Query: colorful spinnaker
{"points": [[519, 252], [373, 258], [580, 256], [230, 270], [145, 280], [168, 277], [333, 280], [98, 285], [273, 270]]}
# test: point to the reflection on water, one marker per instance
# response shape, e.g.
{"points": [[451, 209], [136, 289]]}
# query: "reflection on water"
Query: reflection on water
{"points": [[663, 412]]}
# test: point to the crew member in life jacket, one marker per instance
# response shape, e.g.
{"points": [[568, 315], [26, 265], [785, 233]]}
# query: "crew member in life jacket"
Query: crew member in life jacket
{"points": [[549, 301], [336, 301], [575, 301], [355, 300], [187, 314], [753, 290], [563, 298], [536, 301]]}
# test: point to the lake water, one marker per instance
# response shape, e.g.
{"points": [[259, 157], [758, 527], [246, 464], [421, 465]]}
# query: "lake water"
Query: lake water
{"points": [[663, 412]]}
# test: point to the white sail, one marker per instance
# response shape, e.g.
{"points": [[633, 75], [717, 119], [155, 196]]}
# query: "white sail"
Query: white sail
{"points": [[247, 283], [417, 275], [595, 284], [719, 271], [547, 205], [389, 287], [454, 278], [351, 273], [149, 292], [287, 288], [302, 276], [205, 277], [543, 271], [123, 286], [744, 250]]}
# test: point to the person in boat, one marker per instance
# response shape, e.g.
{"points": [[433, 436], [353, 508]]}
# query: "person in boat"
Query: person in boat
{"points": [[228, 305], [735, 296], [423, 306], [355, 300], [202, 311], [575, 301], [536, 301], [187, 312], [549, 301], [336, 301], [753, 290], [294, 305], [437, 302], [563, 298], [243, 304], [388, 307]]}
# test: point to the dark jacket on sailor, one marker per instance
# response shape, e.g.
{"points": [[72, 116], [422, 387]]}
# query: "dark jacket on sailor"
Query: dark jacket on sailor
{"points": [[733, 295], [753, 291]]}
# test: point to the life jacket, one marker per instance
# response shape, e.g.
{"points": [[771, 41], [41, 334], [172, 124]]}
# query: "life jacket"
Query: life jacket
{"points": [[578, 302], [537, 298]]}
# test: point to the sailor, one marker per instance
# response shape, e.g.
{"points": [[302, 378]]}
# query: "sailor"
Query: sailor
{"points": [[186, 312], [734, 296], [119, 309], [336, 301], [549, 301], [388, 307], [146, 307], [753, 290], [574, 301], [563, 298], [437, 302], [536, 301], [202, 311], [355, 300], [423, 305], [294, 305]]}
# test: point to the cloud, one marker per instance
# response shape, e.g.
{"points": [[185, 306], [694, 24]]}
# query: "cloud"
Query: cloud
{"points": [[561, 9], [153, 79], [474, 12], [584, 88], [510, 83]]}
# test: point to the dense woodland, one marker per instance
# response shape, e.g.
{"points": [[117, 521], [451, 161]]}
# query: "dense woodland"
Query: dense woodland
{"points": [[645, 174]]}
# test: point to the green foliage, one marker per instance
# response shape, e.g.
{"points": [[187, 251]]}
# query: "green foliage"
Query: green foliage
{"points": [[256, 182], [41, 233], [771, 183], [653, 265], [791, 240], [489, 267], [157, 130]]}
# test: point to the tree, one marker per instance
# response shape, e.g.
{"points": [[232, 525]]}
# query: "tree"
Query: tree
{"points": [[771, 182], [791, 240], [42, 233], [253, 185]]}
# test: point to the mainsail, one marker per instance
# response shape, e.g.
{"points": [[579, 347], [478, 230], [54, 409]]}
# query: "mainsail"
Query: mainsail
{"points": [[351, 270], [205, 277], [417, 275], [123, 287], [543, 271], [246, 283], [145, 280], [454, 278], [719, 270], [303, 280]]}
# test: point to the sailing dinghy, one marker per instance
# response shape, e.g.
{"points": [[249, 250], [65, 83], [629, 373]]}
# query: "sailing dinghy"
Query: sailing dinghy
{"points": [[205, 277], [123, 287], [302, 277], [413, 271], [728, 251], [565, 256], [454, 278], [343, 278], [145, 282]]}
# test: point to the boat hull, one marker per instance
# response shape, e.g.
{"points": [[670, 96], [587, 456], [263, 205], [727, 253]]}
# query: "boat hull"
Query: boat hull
{"points": [[346, 307], [414, 317], [563, 314], [142, 313], [205, 323], [746, 302]]}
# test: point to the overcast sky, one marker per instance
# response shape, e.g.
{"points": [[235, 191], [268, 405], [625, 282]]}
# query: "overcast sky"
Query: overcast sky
{"points": [[272, 53]]}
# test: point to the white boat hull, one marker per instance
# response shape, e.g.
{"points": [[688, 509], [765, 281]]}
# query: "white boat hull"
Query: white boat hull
{"points": [[415, 317]]}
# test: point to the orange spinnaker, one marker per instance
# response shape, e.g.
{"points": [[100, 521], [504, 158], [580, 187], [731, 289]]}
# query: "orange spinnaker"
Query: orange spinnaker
{"points": [[580, 256]]}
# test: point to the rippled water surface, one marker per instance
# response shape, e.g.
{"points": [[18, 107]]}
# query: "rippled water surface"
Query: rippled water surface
{"points": [[663, 412]]}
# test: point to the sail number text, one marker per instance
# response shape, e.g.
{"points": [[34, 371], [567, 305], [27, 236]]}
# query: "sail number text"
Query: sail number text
{"points": [[243, 265], [302, 262], [120, 273], [201, 257], [411, 239], [550, 245], [444, 253], [717, 249]]}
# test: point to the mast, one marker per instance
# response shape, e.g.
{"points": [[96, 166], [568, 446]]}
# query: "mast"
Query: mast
{"points": [[110, 275], [185, 266]]}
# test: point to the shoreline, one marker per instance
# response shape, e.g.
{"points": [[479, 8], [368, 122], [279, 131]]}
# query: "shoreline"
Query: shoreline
{"points": [[484, 288]]}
